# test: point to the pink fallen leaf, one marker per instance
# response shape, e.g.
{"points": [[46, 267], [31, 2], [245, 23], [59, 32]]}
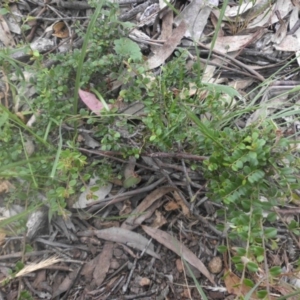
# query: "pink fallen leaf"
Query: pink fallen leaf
{"points": [[91, 101]]}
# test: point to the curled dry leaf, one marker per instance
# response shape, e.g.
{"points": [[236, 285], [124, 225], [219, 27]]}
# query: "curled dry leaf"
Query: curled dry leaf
{"points": [[159, 220], [177, 247], [60, 30], [5, 186]]}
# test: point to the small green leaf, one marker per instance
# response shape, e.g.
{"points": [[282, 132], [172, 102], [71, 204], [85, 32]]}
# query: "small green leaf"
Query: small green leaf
{"points": [[127, 48], [236, 259], [262, 294], [260, 258], [3, 118], [19, 266], [3, 11], [131, 181], [252, 267], [72, 182], [240, 251], [296, 231], [239, 267], [248, 282], [270, 232], [222, 249], [275, 271]]}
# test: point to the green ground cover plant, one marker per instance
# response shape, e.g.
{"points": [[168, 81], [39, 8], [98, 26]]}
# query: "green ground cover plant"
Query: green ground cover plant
{"points": [[248, 170]]}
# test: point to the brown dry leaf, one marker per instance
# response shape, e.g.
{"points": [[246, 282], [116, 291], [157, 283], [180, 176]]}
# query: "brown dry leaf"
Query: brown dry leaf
{"points": [[159, 221], [126, 209], [179, 265], [168, 47], [5, 186], [177, 247], [40, 277], [184, 208], [137, 217], [144, 281], [21, 116], [89, 267], [172, 205], [127, 237], [186, 294], [60, 30], [66, 284], [5, 35], [215, 265], [103, 263], [233, 286], [2, 237]]}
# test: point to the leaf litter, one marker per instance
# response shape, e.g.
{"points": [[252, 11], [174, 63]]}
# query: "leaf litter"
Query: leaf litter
{"points": [[126, 242]]}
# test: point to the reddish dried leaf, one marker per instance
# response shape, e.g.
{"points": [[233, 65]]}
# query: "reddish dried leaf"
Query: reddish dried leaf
{"points": [[172, 205]]}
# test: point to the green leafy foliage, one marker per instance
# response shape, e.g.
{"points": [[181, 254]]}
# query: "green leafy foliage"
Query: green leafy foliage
{"points": [[249, 170], [54, 103], [126, 48]]}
